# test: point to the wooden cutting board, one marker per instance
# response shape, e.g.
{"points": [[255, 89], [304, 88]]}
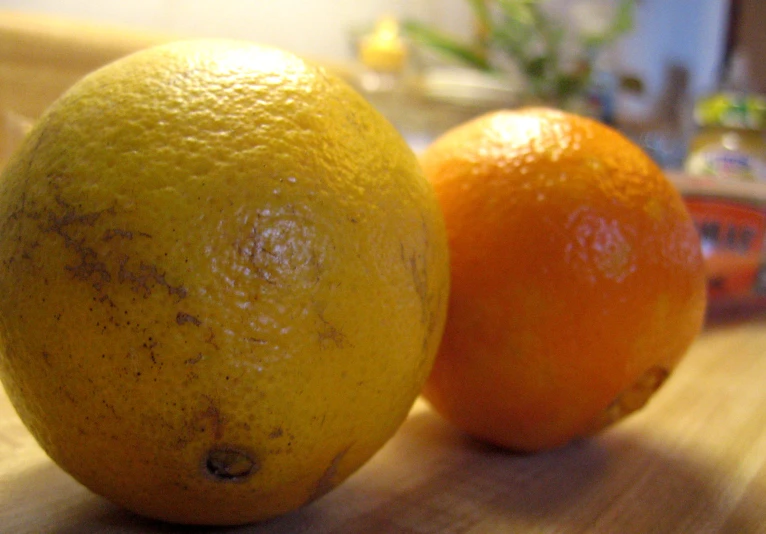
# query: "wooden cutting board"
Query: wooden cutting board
{"points": [[693, 461]]}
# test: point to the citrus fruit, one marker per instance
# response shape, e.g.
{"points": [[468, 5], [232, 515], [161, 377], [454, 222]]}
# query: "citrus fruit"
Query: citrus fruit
{"points": [[577, 277], [223, 279]]}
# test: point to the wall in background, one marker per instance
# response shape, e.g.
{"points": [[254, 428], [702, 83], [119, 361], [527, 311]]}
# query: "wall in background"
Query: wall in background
{"points": [[689, 32], [320, 28]]}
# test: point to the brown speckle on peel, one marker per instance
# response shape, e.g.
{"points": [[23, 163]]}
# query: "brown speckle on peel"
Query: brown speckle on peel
{"points": [[125, 234], [229, 464], [195, 359], [145, 277], [419, 273], [183, 318], [328, 332], [66, 226], [76, 227], [214, 417], [210, 338]]}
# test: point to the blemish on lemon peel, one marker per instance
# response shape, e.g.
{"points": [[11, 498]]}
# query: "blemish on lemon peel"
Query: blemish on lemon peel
{"points": [[183, 318], [113, 233]]}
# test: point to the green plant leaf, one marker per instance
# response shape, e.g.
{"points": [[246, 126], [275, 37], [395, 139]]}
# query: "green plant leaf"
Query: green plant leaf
{"points": [[513, 44], [537, 67], [526, 34], [518, 11], [445, 44], [481, 12], [515, 31], [623, 19], [569, 85], [485, 25]]}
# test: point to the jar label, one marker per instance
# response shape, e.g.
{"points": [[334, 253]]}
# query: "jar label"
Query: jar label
{"points": [[732, 235], [727, 164]]}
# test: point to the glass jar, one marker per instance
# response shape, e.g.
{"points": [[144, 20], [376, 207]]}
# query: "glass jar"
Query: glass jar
{"points": [[730, 140]]}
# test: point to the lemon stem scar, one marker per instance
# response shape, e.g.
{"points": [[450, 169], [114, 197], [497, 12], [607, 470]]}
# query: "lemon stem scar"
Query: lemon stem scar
{"points": [[227, 464]]}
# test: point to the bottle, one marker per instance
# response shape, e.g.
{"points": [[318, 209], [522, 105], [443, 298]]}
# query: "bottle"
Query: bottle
{"points": [[730, 141]]}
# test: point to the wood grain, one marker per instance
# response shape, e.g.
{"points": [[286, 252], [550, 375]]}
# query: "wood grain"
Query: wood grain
{"points": [[692, 461]]}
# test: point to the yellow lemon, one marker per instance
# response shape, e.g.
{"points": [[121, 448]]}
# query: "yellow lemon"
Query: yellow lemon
{"points": [[223, 280]]}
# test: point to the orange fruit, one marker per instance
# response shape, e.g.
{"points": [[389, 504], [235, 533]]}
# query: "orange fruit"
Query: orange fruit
{"points": [[577, 277], [223, 280]]}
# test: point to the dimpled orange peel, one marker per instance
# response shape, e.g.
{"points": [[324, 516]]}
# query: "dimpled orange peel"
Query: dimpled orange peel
{"points": [[577, 277], [223, 280]]}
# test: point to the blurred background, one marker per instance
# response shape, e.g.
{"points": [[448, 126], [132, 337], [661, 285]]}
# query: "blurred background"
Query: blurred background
{"points": [[670, 53], [685, 79]]}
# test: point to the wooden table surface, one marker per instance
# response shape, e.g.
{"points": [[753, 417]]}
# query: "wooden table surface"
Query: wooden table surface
{"points": [[693, 460]]}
